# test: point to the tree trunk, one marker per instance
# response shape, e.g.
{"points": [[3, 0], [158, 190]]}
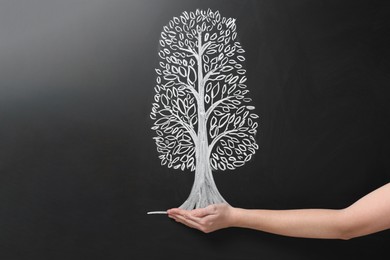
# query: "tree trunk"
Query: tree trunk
{"points": [[204, 191]]}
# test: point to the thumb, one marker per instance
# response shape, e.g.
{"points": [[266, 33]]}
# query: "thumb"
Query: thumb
{"points": [[200, 213]]}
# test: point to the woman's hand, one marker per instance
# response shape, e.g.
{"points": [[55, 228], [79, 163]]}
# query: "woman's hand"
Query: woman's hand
{"points": [[207, 219]]}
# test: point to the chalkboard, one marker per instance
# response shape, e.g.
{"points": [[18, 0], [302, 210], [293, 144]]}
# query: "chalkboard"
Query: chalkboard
{"points": [[79, 168]]}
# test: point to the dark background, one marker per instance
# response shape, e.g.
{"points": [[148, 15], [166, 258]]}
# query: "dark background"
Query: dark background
{"points": [[78, 165]]}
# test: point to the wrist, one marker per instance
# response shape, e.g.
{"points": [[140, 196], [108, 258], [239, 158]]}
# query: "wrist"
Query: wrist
{"points": [[235, 217]]}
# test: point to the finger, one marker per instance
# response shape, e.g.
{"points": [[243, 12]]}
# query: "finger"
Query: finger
{"points": [[188, 222], [177, 217], [201, 212], [172, 210], [171, 216], [177, 211], [185, 215], [194, 218]]}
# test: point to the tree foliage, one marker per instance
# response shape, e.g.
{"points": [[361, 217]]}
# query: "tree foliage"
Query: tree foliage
{"points": [[201, 63]]}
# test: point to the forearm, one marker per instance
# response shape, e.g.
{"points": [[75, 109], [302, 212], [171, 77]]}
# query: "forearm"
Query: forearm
{"points": [[309, 223], [367, 215]]}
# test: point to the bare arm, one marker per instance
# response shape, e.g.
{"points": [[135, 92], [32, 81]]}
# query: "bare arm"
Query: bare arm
{"points": [[368, 215]]}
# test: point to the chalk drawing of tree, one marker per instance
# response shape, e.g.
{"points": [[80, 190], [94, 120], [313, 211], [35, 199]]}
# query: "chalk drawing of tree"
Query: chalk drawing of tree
{"points": [[201, 111]]}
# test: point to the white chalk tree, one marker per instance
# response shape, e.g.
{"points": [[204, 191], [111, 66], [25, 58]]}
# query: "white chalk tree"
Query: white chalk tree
{"points": [[201, 112]]}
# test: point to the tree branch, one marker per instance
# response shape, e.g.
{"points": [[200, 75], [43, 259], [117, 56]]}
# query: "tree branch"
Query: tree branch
{"points": [[204, 47], [213, 106], [187, 127], [188, 49], [210, 73], [216, 139], [193, 90]]}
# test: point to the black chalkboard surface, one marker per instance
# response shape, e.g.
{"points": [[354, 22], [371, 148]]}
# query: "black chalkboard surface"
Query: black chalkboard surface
{"points": [[79, 168]]}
